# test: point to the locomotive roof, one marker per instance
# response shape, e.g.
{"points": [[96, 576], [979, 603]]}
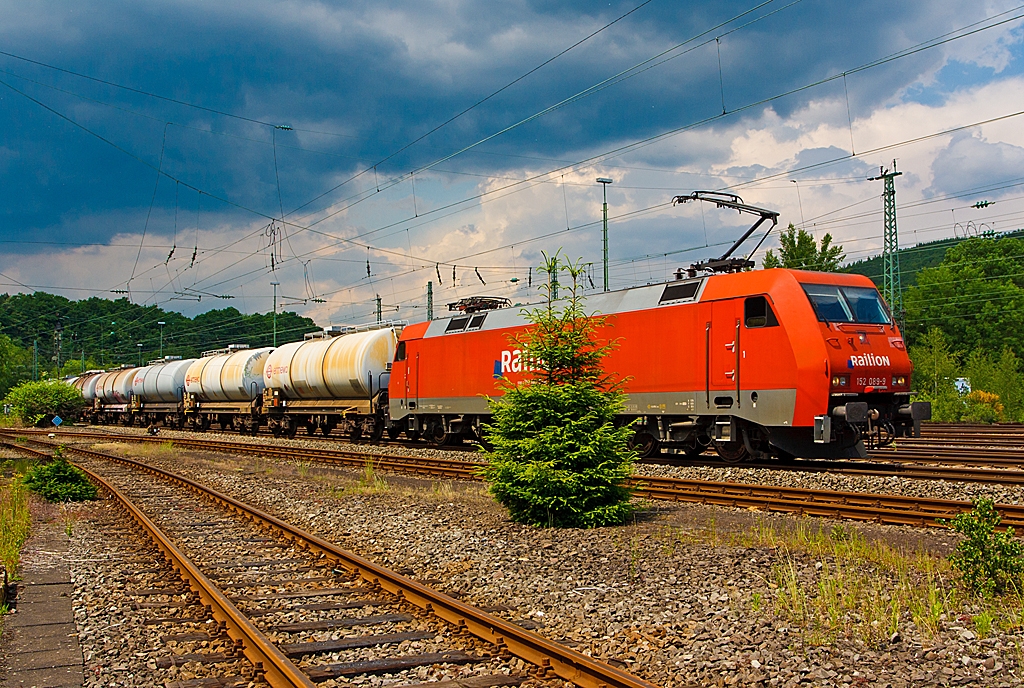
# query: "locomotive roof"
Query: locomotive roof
{"points": [[704, 288]]}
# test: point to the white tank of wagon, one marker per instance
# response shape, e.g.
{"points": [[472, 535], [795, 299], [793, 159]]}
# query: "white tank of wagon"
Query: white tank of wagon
{"points": [[232, 374], [338, 364], [115, 387], [161, 381], [86, 384]]}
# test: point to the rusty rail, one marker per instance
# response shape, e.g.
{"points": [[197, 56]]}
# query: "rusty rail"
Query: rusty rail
{"points": [[878, 508], [277, 669], [551, 658]]}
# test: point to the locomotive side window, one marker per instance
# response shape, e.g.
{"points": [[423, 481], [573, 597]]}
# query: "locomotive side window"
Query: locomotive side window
{"points": [[757, 312], [477, 322], [676, 292], [847, 304], [400, 352], [457, 325]]}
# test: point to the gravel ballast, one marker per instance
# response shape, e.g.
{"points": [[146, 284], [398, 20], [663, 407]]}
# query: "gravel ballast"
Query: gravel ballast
{"points": [[683, 596]]}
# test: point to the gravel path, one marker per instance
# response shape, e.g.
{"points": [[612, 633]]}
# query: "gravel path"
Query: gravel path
{"points": [[687, 595]]}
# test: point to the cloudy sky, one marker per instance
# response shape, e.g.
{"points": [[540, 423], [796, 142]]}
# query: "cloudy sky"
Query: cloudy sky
{"points": [[182, 150]]}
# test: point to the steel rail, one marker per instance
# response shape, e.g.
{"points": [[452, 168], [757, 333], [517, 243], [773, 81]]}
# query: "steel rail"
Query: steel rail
{"points": [[277, 669], [551, 658], [898, 455], [878, 508], [860, 506], [464, 469]]}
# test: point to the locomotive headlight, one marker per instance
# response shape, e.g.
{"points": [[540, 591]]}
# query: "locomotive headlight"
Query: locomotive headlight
{"points": [[899, 381], [840, 380]]}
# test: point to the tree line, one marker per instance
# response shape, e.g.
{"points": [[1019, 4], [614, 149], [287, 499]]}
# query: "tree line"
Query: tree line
{"points": [[37, 328]]}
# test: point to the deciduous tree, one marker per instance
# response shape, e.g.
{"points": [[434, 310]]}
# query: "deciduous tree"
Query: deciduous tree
{"points": [[798, 250]]}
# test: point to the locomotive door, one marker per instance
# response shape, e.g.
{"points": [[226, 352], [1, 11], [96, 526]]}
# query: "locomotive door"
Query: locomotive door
{"points": [[724, 357]]}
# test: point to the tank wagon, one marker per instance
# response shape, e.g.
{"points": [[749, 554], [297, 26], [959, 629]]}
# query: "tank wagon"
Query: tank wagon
{"points": [[225, 386], [334, 379], [158, 392]]}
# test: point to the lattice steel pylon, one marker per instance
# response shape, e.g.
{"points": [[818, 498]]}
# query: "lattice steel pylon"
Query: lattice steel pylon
{"points": [[892, 290]]}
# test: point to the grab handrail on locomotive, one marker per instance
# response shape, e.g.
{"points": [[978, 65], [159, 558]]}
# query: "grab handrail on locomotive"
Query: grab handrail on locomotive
{"points": [[751, 363]]}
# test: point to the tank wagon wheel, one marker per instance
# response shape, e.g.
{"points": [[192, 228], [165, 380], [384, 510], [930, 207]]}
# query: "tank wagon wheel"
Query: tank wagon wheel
{"points": [[731, 452], [644, 444], [290, 431], [377, 432], [326, 430], [310, 429]]}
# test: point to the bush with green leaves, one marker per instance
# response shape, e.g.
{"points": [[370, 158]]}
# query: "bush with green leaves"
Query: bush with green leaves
{"points": [[59, 481], [989, 562], [35, 402], [557, 456]]}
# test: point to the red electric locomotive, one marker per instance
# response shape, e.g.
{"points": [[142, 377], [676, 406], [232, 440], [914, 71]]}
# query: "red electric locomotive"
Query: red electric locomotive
{"points": [[754, 363]]}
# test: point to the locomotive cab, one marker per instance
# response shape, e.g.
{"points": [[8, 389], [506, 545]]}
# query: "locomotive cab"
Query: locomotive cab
{"points": [[869, 369]]}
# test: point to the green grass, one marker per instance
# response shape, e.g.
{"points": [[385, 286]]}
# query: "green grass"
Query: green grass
{"points": [[832, 582], [15, 523]]}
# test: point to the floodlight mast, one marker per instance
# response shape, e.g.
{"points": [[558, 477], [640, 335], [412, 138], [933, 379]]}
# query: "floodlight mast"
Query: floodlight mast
{"points": [[722, 199]]}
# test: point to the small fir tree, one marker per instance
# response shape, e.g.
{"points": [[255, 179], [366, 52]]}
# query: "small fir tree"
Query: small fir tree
{"points": [[557, 457]]}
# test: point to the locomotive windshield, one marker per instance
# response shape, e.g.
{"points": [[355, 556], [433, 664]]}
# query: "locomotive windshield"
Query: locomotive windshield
{"points": [[847, 304]]}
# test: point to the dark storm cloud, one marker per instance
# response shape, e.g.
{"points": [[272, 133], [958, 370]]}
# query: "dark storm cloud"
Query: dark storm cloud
{"points": [[377, 76]]}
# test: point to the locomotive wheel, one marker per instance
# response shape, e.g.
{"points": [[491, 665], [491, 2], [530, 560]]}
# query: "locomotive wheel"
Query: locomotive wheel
{"points": [[644, 444], [437, 435], [693, 451], [394, 432], [413, 435], [731, 452]]}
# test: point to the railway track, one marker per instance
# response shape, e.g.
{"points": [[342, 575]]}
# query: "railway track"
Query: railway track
{"points": [[257, 574], [897, 463], [878, 508]]}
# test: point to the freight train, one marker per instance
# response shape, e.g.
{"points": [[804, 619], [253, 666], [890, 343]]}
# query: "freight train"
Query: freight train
{"points": [[769, 362], [751, 363]]}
